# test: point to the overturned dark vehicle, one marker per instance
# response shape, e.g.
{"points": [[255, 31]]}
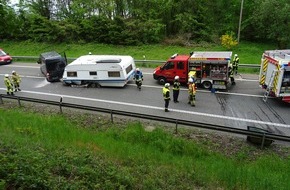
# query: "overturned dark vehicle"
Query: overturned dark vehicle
{"points": [[52, 65]]}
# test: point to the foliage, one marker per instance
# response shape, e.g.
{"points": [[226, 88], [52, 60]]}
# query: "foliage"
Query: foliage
{"points": [[272, 21], [50, 152], [143, 21], [228, 41]]}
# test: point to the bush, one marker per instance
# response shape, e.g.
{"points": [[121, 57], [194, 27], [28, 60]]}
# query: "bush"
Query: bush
{"points": [[228, 41]]}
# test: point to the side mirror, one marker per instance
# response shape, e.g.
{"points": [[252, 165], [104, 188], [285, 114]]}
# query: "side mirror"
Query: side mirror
{"points": [[38, 61]]}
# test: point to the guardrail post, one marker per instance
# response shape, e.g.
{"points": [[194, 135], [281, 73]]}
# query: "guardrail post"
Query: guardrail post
{"points": [[112, 118], [18, 99], [60, 103], [1, 100], [176, 123], [263, 141]]}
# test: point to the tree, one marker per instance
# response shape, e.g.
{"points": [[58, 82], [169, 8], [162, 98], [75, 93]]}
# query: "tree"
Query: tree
{"points": [[272, 21]]}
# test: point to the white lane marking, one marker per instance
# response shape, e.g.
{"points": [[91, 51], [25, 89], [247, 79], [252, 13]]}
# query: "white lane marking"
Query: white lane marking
{"points": [[23, 66], [161, 108]]}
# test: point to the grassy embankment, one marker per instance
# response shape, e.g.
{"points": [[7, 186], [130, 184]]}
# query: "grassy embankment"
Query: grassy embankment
{"points": [[249, 53], [39, 151]]}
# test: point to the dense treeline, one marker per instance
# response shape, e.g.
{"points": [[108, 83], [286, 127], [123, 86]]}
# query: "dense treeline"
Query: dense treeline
{"points": [[131, 22]]}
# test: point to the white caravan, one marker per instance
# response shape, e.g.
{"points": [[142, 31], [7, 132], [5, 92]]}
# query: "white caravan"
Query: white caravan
{"points": [[100, 70]]}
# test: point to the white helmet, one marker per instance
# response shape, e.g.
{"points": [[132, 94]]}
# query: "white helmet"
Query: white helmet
{"points": [[13, 72], [176, 77], [190, 80], [236, 55], [90, 53], [6, 75], [167, 85], [137, 69]]}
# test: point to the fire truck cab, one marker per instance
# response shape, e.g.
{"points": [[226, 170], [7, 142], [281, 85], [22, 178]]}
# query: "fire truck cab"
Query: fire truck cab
{"points": [[211, 69]]}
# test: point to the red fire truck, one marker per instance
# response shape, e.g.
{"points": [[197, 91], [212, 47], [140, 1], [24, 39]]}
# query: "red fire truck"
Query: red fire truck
{"points": [[275, 74], [211, 69]]}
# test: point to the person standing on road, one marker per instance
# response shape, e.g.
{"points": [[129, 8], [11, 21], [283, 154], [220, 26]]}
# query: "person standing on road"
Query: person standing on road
{"points": [[176, 89], [16, 81], [138, 77], [191, 92], [231, 74], [236, 64], [166, 95], [8, 84]]}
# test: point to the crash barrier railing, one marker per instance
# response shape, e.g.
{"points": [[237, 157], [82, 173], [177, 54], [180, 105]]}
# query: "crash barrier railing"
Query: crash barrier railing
{"points": [[263, 136], [254, 66]]}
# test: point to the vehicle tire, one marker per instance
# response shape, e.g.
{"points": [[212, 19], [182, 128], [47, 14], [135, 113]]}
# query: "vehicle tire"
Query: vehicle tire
{"points": [[95, 85], [161, 80], [206, 85]]}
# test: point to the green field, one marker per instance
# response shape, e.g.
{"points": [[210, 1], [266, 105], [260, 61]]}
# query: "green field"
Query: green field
{"points": [[249, 53], [83, 151]]}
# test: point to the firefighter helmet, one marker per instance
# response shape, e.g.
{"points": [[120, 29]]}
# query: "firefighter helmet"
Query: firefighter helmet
{"points": [[236, 55], [190, 80], [13, 72], [6, 75], [137, 69], [167, 85], [176, 77]]}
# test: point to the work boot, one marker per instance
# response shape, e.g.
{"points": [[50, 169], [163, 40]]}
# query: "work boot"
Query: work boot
{"points": [[12, 93], [166, 110], [7, 93], [19, 89], [15, 90]]}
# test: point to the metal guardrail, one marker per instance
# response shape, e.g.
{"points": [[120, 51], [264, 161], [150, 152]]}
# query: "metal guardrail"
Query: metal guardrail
{"points": [[254, 66], [264, 136]]}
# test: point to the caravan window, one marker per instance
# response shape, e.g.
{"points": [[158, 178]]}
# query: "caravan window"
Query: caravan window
{"points": [[114, 74], [72, 74], [93, 72], [129, 68]]}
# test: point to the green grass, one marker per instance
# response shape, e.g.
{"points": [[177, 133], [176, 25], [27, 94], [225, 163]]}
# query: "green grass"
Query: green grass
{"points": [[249, 53], [53, 152]]}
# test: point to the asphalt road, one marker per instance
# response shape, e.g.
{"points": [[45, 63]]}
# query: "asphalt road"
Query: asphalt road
{"points": [[240, 106]]}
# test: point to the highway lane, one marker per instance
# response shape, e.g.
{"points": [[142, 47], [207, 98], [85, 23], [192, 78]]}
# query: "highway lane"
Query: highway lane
{"points": [[239, 106]]}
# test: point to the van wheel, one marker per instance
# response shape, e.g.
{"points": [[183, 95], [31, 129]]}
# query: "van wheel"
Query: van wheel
{"points": [[206, 85], [161, 80]]}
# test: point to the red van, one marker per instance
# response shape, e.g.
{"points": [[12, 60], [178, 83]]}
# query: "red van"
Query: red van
{"points": [[5, 58]]}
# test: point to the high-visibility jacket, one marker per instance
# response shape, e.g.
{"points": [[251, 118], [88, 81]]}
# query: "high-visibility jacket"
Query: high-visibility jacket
{"points": [[16, 78], [236, 62], [192, 89], [176, 85], [7, 82], [166, 93]]}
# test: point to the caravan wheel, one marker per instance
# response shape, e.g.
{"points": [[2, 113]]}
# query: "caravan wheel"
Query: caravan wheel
{"points": [[95, 85]]}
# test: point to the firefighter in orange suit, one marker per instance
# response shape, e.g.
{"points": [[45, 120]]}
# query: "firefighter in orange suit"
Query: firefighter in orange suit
{"points": [[191, 92]]}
